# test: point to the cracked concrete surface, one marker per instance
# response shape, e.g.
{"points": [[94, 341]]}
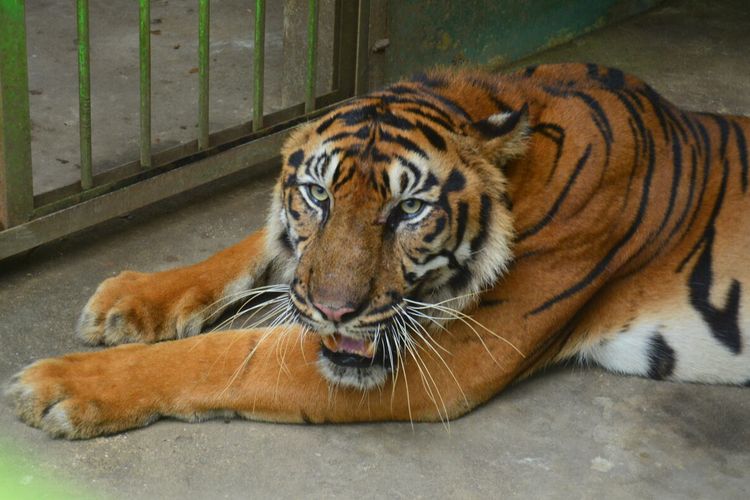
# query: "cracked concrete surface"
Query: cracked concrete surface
{"points": [[567, 433]]}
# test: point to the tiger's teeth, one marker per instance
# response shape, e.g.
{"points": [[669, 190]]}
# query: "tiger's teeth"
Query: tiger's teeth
{"points": [[341, 343], [369, 349], [331, 342]]}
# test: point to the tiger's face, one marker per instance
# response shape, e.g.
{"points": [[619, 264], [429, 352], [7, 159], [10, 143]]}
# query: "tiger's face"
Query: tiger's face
{"points": [[384, 208]]}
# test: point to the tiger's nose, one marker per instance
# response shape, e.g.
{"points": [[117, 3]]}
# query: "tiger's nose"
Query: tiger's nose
{"points": [[333, 312]]}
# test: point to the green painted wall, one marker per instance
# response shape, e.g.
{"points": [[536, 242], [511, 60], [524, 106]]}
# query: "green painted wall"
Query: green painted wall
{"points": [[495, 32]]}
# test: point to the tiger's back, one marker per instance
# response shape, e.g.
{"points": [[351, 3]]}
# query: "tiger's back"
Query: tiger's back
{"points": [[667, 193]]}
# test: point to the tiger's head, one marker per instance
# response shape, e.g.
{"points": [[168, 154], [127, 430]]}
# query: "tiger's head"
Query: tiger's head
{"points": [[384, 205]]}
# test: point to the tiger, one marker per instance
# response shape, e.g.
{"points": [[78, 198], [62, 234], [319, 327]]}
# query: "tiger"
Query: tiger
{"points": [[426, 246]]}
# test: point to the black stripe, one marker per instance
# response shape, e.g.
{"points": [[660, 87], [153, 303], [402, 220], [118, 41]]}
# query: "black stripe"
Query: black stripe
{"points": [[655, 100], [424, 103], [691, 191], [556, 134], [449, 103], [285, 241], [485, 212], [386, 185], [676, 173], [602, 264], [344, 179], [723, 134], [674, 120], [742, 147], [636, 160], [461, 219], [612, 79], [600, 117], [403, 182], [378, 156], [547, 218], [395, 121], [456, 182], [461, 277], [290, 180], [295, 159], [491, 92], [295, 214], [439, 226], [405, 142], [704, 183], [429, 117], [416, 172], [430, 182], [506, 201], [435, 139], [661, 358], [724, 321]]}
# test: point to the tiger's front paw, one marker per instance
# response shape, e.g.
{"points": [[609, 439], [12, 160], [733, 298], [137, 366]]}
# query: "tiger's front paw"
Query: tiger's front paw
{"points": [[138, 307], [76, 397]]}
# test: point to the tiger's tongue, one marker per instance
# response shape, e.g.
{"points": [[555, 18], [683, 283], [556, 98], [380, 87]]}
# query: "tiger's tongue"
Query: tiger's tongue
{"points": [[341, 343]]}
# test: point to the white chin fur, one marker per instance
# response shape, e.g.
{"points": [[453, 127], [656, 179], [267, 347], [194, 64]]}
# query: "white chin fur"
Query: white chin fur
{"points": [[357, 378]]}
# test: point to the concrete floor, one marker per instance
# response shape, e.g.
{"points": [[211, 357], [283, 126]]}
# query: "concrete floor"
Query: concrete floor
{"points": [[567, 433]]}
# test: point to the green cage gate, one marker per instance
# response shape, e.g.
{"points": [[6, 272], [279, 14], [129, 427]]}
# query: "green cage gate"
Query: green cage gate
{"points": [[28, 219]]}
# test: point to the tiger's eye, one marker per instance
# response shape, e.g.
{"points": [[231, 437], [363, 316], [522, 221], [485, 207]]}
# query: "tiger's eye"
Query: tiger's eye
{"points": [[411, 206], [318, 192]]}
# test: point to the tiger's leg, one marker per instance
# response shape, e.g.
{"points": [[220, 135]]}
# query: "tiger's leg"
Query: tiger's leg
{"points": [[267, 375], [149, 307]]}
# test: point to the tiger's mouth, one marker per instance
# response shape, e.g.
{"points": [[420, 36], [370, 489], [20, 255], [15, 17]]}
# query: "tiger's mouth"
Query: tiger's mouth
{"points": [[352, 352]]}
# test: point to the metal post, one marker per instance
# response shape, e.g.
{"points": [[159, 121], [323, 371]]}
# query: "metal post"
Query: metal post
{"points": [[16, 188], [363, 48], [204, 23], [312, 52], [145, 92], [259, 56], [84, 93]]}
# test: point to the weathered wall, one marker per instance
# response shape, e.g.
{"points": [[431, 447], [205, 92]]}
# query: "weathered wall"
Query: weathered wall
{"points": [[423, 33]]}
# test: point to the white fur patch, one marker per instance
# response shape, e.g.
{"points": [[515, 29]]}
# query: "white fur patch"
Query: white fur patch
{"points": [[698, 355]]}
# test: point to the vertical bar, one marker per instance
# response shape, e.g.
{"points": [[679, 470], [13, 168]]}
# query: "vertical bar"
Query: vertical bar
{"points": [[145, 77], [312, 52], [335, 66], [84, 93], [16, 187], [363, 47], [204, 23], [259, 57], [347, 50]]}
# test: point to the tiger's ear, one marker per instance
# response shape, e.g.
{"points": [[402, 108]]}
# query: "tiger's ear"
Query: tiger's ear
{"points": [[503, 136]]}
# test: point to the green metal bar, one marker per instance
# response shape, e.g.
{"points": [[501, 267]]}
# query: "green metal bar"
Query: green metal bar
{"points": [[145, 63], [204, 23], [259, 57], [16, 188], [258, 153], [84, 93], [312, 53], [173, 158]]}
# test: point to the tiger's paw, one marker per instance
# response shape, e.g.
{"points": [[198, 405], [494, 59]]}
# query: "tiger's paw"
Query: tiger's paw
{"points": [[139, 307], [69, 397]]}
